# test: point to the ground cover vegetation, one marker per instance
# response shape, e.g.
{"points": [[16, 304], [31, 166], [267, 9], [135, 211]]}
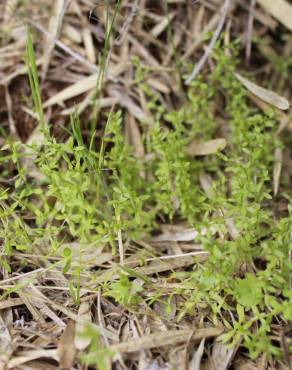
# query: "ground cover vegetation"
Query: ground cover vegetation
{"points": [[147, 223]]}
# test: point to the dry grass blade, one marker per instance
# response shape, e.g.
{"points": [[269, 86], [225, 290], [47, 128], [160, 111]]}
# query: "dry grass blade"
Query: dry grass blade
{"points": [[6, 348], [10, 302], [211, 45], [277, 169], [36, 301], [195, 363], [177, 234], [27, 356], [79, 108], [89, 45], [75, 318], [80, 87], [54, 28], [126, 102], [84, 318], [266, 95], [221, 357], [171, 337], [66, 347], [280, 9], [19, 70], [9, 111], [182, 236], [158, 85], [249, 31], [32, 309], [162, 25], [206, 148], [176, 263]]}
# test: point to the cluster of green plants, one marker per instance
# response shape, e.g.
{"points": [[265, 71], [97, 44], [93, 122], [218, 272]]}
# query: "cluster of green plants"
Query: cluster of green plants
{"points": [[88, 192]]}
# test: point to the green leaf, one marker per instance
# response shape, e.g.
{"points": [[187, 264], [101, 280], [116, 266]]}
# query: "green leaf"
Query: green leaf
{"points": [[249, 291]]}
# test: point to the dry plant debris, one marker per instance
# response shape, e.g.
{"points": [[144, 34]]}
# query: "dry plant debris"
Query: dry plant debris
{"points": [[145, 196]]}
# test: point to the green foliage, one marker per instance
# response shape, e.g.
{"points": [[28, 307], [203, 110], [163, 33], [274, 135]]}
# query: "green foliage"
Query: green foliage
{"points": [[172, 188], [243, 200], [97, 355], [129, 191], [88, 197], [248, 291], [124, 291]]}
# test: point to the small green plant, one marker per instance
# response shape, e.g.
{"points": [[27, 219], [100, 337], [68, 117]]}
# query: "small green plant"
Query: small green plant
{"points": [[124, 291], [98, 354], [90, 197]]}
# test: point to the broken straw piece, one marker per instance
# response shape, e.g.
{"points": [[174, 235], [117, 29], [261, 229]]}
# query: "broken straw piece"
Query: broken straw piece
{"points": [[207, 147], [266, 95], [280, 9]]}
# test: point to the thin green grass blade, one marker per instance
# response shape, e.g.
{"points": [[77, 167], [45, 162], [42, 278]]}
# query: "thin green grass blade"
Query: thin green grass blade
{"points": [[103, 62], [30, 61], [76, 128]]}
